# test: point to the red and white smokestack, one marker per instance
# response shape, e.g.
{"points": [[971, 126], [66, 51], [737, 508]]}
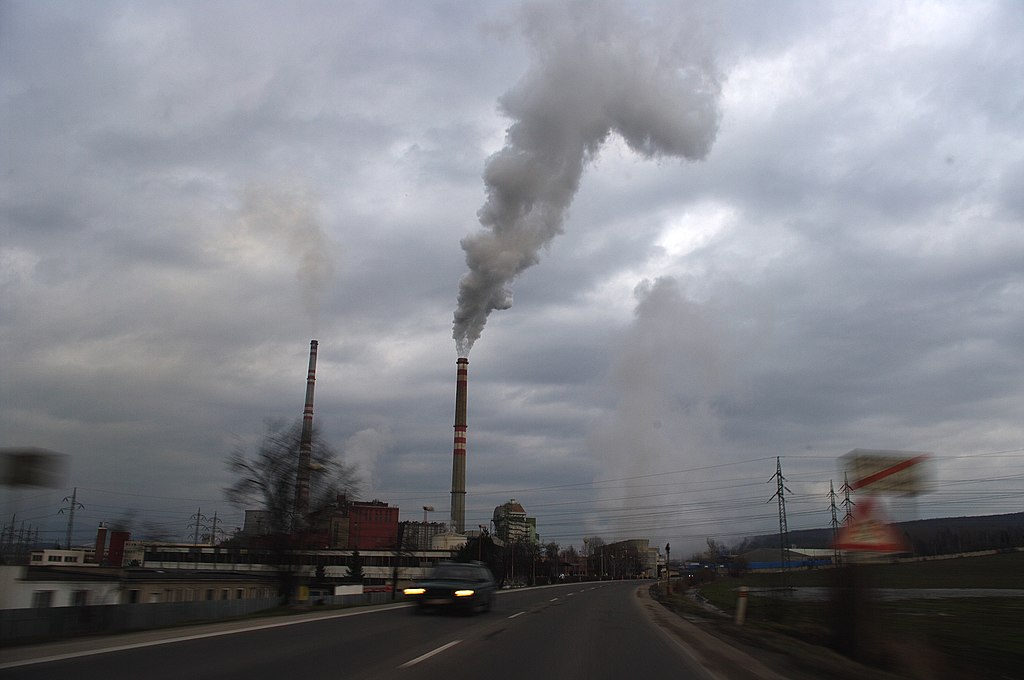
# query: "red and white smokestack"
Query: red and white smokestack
{"points": [[459, 454], [306, 443]]}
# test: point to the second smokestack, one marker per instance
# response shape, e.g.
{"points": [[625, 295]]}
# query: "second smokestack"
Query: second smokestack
{"points": [[305, 443], [459, 453]]}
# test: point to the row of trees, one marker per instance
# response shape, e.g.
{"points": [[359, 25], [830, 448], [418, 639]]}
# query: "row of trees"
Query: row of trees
{"points": [[515, 563], [520, 562], [526, 563]]}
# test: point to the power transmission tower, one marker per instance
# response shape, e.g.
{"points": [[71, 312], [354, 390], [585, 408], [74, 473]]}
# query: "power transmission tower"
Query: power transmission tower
{"points": [[197, 524], [847, 503], [780, 493], [74, 504], [7, 539], [213, 529], [835, 523]]}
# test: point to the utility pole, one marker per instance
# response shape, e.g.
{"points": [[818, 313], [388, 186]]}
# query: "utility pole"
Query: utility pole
{"points": [[71, 515], [780, 493]]}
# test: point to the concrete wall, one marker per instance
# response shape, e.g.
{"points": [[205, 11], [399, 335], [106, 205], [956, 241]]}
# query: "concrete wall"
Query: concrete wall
{"points": [[23, 626], [26, 626]]}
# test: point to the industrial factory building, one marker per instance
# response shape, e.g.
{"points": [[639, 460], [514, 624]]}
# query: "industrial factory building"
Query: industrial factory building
{"points": [[342, 525], [420, 535], [356, 525]]}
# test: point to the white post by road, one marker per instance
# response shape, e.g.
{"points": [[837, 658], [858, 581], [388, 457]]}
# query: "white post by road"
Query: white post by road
{"points": [[741, 605]]}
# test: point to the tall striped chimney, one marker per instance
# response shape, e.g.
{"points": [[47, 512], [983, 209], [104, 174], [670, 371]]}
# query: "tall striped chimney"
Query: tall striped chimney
{"points": [[305, 443], [459, 454]]}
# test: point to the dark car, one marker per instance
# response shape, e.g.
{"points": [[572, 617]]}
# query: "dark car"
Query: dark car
{"points": [[463, 586]]}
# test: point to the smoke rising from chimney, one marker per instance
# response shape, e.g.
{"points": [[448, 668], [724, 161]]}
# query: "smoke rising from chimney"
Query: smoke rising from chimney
{"points": [[597, 69], [290, 214]]}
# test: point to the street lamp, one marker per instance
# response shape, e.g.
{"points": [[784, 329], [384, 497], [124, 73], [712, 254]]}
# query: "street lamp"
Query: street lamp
{"points": [[424, 537], [668, 568]]}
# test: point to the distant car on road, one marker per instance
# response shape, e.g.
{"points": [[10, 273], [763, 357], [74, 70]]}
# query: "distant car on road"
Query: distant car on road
{"points": [[462, 586]]}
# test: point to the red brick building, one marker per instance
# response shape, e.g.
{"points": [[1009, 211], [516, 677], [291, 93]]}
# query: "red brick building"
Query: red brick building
{"points": [[357, 525], [372, 526]]}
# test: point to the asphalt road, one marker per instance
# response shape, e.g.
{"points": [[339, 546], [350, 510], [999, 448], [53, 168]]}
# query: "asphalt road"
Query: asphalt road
{"points": [[592, 630]]}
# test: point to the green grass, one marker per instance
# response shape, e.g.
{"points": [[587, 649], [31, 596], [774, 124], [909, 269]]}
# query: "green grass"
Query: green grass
{"points": [[977, 636]]}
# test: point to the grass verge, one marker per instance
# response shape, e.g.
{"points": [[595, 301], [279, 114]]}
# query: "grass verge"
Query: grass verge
{"points": [[963, 636]]}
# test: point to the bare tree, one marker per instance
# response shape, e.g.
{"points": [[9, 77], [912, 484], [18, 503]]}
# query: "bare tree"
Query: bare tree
{"points": [[551, 553], [266, 478], [595, 555], [715, 551]]}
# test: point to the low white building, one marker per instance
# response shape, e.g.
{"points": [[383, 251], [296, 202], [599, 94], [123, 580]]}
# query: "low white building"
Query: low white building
{"points": [[56, 589], [54, 557]]}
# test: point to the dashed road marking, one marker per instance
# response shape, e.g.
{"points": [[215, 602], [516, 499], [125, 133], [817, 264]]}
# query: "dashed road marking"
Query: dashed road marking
{"points": [[424, 657]]}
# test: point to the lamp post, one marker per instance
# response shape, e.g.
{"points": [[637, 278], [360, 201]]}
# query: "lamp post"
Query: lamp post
{"points": [[668, 568], [425, 532]]}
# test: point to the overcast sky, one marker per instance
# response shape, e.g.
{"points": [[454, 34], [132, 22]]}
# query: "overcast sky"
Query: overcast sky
{"points": [[734, 232]]}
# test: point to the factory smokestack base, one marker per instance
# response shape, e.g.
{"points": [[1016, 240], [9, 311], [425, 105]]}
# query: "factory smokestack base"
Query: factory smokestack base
{"points": [[458, 522], [305, 443]]}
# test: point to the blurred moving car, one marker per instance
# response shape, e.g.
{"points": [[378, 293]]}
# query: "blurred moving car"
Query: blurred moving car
{"points": [[463, 586]]}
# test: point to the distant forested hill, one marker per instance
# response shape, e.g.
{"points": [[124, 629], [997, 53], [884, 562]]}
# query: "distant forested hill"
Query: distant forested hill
{"points": [[927, 536]]}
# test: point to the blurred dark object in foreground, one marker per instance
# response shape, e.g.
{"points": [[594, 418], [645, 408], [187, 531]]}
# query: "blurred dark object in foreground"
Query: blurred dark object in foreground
{"points": [[31, 466]]}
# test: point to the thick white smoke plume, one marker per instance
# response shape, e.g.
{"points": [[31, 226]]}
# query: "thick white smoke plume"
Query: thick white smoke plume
{"points": [[598, 69]]}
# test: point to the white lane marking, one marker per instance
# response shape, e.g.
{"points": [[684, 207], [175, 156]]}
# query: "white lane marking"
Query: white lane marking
{"points": [[552, 599], [570, 594], [426, 656], [186, 638], [516, 614]]}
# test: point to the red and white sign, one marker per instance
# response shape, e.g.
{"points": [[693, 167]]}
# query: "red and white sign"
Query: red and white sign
{"points": [[899, 472], [870, 533]]}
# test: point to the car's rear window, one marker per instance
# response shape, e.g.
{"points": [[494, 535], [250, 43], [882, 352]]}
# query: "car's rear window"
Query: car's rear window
{"points": [[458, 571]]}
